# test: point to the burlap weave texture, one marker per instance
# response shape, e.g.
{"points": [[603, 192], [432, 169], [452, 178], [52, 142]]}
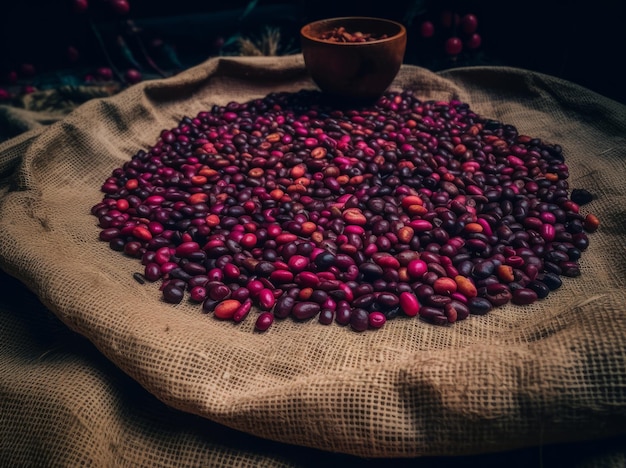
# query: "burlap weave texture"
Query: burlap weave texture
{"points": [[519, 376]]}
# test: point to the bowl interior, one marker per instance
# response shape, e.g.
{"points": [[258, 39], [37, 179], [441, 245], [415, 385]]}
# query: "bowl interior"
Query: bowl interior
{"points": [[374, 26]]}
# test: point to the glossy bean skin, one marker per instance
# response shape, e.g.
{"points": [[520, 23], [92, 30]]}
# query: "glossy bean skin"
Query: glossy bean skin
{"points": [[305, 310], [524, 296], [264, 321], [359, 320]]}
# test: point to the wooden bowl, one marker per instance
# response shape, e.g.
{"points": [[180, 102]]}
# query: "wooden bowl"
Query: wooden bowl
{"points": [[347, 69]]}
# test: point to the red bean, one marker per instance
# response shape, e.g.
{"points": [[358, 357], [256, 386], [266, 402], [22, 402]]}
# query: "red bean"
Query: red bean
{"points": [[409, 304], [187, 248], [524, 296], [198, 293], [264, 321], [376, 319], [444, 285], [242, 311], [591, 223], [266, 299]]}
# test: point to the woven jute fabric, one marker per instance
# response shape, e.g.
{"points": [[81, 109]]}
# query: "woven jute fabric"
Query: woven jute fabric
{"points": [[520, 376]]}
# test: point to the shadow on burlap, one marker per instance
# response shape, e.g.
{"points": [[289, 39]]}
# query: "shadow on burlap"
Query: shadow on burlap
{"points": [[518, 377]]}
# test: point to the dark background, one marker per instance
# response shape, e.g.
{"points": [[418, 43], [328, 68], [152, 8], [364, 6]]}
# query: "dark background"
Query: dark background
{"points": [[579, 41]]}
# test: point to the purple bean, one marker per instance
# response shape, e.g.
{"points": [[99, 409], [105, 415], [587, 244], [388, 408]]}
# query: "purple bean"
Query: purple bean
{"points": [[359, 319], [305, 310], [479, 305], [342, 314], [173, 294], [326, 316], [264, 321], [433, 315], [284, 306], [524, 296], [540, 288]]}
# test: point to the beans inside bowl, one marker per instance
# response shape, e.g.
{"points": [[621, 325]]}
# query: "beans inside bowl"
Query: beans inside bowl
{"points": [[340, 34], [353, 58]]}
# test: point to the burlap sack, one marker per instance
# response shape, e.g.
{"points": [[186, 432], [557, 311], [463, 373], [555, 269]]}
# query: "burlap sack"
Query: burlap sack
{"points": [[63, 404], [517, 377]]}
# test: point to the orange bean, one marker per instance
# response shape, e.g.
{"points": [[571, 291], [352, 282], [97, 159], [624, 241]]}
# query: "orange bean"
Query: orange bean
{"points": [[591, 223], [356, 180], [276, 194], [198, 180], [298, 171], [354, 216], [296, 188], [319, 152], [465, 286], [459, 149], [417, 210], [207, 172], [403, 275], [196, 198], [256, 172], [226, 309], [343, 179], [302, 181], [308, 227], [405, 234], [411, 200], [305, 294], [505, 273], [408, 164], [317, 237], [142, 233], [473, 227]]}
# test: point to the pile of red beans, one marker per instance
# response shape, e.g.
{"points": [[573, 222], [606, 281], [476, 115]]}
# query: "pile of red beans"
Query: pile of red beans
{"points": [[287, 206]]}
